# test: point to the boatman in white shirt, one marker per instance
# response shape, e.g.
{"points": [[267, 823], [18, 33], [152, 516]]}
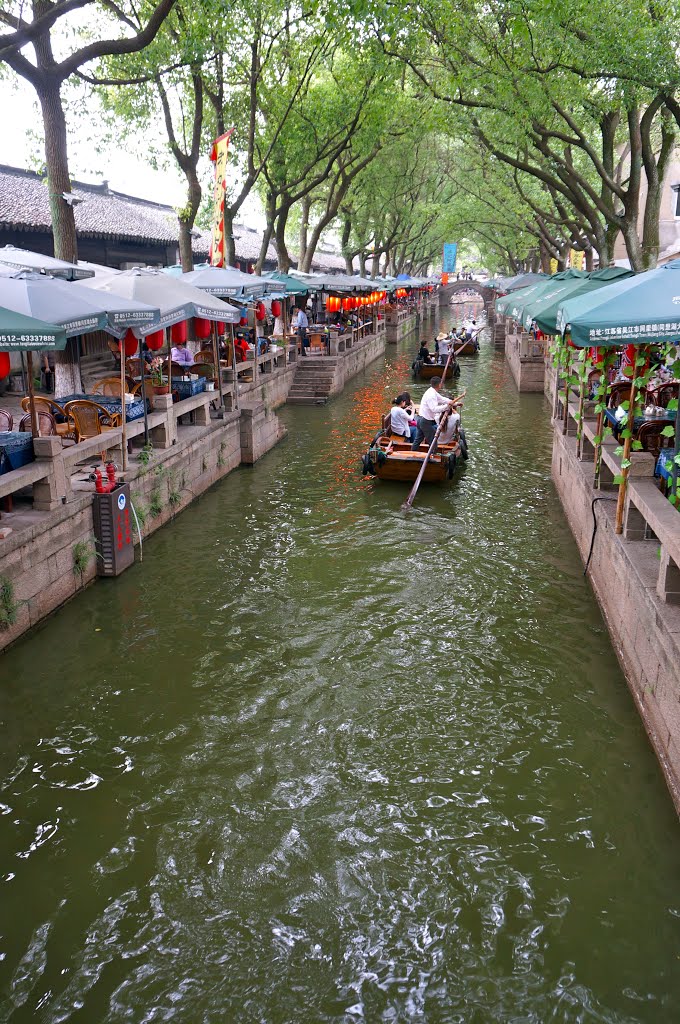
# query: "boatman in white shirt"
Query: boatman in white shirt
{"points": [[431, 404]]}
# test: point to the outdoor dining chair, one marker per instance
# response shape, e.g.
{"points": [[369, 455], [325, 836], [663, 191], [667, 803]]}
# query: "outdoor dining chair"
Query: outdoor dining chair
{"points": [[108, 386], [6, 419], [662, 394], [63, 422], [650, 435], [91, 419], [47, 425]]}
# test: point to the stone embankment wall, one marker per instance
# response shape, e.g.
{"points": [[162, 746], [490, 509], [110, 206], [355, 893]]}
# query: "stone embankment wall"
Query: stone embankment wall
{"points": [[636, 580], [526, 358]]}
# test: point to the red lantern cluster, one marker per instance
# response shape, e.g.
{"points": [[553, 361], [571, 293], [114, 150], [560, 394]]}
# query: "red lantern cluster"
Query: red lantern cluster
{"points": [[4, 365], [401, 293], [128, 344], [201, 327], [179, 333]]}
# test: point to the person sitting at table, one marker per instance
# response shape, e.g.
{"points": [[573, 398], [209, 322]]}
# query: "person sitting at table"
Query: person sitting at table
{"points": [[182, 355], [279, 329], [241, 348]]}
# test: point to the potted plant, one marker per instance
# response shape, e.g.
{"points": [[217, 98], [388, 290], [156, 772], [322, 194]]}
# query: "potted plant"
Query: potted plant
{"points": [[160, 383]]}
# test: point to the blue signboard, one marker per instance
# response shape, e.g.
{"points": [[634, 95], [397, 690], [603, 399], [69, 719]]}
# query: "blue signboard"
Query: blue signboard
{"points": [[449, 264]]}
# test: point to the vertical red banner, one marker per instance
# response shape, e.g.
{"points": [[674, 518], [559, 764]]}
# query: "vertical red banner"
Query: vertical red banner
{"points": [[219, 155]]}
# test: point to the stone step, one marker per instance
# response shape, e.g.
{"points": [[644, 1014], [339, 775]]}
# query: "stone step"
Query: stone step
{"points": [[309, 392], [306, 400]]}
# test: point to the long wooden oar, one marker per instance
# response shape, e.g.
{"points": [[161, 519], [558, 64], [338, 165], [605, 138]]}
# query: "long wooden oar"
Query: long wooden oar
{"points": [[414, 490]]}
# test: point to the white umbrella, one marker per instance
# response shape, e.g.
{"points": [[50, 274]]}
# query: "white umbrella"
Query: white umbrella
{"points": [[228, 281], [56, 302], [24, 259], [122, 313], [175, 299]]}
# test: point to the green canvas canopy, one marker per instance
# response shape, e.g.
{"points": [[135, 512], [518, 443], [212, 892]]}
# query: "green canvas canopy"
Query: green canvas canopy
{"points": [[504, 303], [643, 309], [519, 306], [291, 285], [544, 310], [20, 333]]}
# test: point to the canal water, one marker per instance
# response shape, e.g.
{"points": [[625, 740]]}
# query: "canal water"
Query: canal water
{"points": [[317, 760]]}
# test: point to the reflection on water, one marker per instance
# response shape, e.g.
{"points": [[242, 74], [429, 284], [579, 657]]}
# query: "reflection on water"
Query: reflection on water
{"points": [[318, 760]]}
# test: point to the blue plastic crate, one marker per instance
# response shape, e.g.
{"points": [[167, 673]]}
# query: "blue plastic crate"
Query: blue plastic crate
{"points": [[16, 450], [188, 388]]}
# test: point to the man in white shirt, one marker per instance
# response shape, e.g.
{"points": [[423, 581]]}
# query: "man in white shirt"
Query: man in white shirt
{"points": [[431, 405]]}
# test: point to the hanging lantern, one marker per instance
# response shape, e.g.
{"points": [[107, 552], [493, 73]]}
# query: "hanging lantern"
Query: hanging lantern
{"points": [[154, 342], [276, 308], [4, 365], [129, 343], [221, 328], [201, 327], [347, 304], [260, 311], [179, 333]]}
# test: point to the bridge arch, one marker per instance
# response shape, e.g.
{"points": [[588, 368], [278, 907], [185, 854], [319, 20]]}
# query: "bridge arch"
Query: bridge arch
{"points": [[453, 288]]}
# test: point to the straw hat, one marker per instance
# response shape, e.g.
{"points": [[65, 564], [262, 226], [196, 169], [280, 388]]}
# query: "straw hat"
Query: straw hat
{"points": [[441, 337]]}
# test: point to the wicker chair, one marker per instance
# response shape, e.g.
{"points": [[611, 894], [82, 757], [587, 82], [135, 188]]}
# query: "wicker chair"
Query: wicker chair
{"points": [[206, 355], [47, 425], [204, 370], [620, 392], [63, 422], [109, 386], [91, 419], [6, 420], [662, 394], [651, 438]]}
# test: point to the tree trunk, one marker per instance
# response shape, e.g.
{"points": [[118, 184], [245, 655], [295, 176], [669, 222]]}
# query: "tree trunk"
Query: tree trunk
{"points": [[270, 212], [58, 181], [282, 254], [344, 243], [187, 220], [375, 264], [306, 205], [589, 259]]}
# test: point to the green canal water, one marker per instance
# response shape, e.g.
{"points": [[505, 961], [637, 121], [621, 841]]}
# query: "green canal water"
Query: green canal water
{"points": [[314, 760]]}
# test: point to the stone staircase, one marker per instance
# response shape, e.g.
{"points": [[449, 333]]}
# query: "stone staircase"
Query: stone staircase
{"points": [[313, 381]]}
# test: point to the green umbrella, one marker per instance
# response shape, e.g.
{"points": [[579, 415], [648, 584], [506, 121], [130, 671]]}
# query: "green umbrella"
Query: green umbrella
{"points": [[643, 309], [522, 302], [505, 302], [544, 310], [20, 333], [291, 285]]}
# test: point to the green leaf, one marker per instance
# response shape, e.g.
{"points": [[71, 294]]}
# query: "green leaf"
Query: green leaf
{"points": [[668, 431], [637, 446]]}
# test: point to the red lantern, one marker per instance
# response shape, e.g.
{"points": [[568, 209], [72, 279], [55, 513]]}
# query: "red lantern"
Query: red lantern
{"points": [[201, 327], [221, 328], [129, 343], [178, 333], [347, 304], [4, 365], [276, 308], [260, 311], [243, 322], [155, 341]]}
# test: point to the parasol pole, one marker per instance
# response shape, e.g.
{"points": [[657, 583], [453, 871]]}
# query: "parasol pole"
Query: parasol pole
{"points": [[31, 395], [600, 417], [233, 366], [123, 389], [625, 468], [581, 405], [143, 379], [216, 357], [676, 452], [168, 335]]}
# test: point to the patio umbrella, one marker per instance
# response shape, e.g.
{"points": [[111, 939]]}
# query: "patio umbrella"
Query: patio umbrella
{"points": [[291, 285], [642, 309], [122, 313], [225, 281], [174, 297], [510, 300], [511, 284], [544, 310], [24, 259], [52, 301], [20, 333]]}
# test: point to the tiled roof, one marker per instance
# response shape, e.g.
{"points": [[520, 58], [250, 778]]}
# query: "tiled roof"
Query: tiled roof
{"points": [[103, 213]]}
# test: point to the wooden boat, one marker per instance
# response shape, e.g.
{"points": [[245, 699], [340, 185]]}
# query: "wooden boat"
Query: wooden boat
{"points": [[391, 458], [467, 348], [426, 371]]}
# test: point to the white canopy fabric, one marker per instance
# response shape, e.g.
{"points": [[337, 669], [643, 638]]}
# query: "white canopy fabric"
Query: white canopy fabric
{"points": [[55, 302], [24, 259], [229, 281], [175, 299], [122, 313]]}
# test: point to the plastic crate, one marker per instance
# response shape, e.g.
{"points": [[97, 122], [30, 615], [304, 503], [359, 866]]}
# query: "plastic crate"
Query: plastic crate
{"points": [[16, 450], [188, 388]]}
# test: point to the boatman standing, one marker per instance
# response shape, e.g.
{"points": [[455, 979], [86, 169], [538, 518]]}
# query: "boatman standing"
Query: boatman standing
{"points": [[431, 404]]}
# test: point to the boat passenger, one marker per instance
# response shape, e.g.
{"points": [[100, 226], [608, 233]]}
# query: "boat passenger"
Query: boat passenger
{"points": [[450, 428], [424, 354], [399, 418], [431, 404]]}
